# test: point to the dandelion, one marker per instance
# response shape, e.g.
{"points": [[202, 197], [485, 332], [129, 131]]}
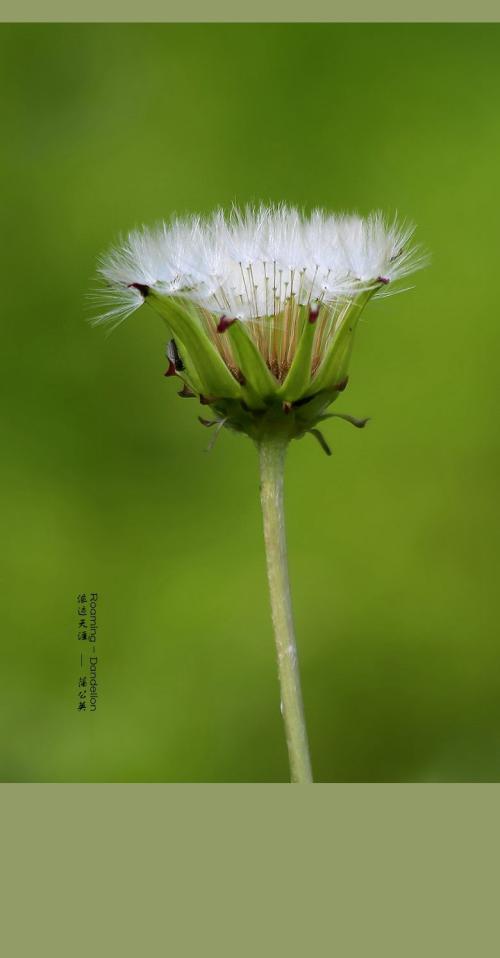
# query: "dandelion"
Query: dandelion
{"points": [[261, 308]]}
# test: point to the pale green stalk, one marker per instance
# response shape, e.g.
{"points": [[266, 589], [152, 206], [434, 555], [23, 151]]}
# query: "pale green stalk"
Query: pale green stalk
{"points": [[272, 453]]}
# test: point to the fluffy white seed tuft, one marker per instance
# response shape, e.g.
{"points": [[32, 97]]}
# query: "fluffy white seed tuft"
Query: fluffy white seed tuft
{"points": [[257, 261]]}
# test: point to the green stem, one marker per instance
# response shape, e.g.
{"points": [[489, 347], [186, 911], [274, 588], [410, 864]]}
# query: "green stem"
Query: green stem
{"points": [[272, 453]]}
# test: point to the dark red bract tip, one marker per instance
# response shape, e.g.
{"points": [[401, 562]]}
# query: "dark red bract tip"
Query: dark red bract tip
{"points": [[224, 323], [144, 290], [383, 279], [186, 392], [313, 314], [171, 371], [342, 385]]}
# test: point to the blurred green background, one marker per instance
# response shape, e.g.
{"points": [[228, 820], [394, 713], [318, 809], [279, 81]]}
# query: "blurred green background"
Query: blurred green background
{"points": [[106, 486]]}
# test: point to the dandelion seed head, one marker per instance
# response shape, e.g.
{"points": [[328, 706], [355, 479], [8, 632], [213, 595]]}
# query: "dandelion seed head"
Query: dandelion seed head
{"points": [[250, 263], [261, 265]]}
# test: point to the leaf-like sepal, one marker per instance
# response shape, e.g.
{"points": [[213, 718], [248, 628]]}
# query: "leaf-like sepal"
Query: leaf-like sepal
{"points": [[333, 369], [212, 374], [260, 386], [299, 374]]}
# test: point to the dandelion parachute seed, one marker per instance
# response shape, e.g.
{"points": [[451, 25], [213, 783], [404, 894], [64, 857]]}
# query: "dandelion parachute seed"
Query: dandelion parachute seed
{"points": [[261, 308]]}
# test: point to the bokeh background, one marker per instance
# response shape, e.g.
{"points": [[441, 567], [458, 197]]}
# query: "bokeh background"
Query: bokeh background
{"points": [[106, 486]]}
